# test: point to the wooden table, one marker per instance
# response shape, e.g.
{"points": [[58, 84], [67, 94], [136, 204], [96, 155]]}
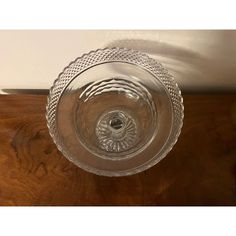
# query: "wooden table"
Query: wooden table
{"points": [[200, 170]]}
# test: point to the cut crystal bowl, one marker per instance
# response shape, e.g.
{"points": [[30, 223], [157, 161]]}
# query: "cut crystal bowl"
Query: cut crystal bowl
{"points": [[115, 112]]}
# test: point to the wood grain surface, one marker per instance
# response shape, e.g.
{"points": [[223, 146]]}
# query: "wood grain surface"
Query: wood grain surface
{"points": [[200, 170]]}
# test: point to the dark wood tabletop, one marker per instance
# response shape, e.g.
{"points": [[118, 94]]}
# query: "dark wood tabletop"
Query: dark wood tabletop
{"points": [[200, 170]]}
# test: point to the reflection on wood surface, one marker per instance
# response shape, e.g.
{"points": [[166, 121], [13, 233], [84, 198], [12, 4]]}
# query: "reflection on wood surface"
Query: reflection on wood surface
{"points": [[200, 170]]}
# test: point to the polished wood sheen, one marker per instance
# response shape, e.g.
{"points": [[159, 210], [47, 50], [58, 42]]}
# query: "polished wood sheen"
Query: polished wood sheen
{"points": [[200, 170]]}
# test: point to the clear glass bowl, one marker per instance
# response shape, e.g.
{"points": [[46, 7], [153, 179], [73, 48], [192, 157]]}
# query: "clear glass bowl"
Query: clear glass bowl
{"points": [[115, 112]]}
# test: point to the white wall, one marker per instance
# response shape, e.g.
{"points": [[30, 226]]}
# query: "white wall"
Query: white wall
{"points": [[198, 59]]}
